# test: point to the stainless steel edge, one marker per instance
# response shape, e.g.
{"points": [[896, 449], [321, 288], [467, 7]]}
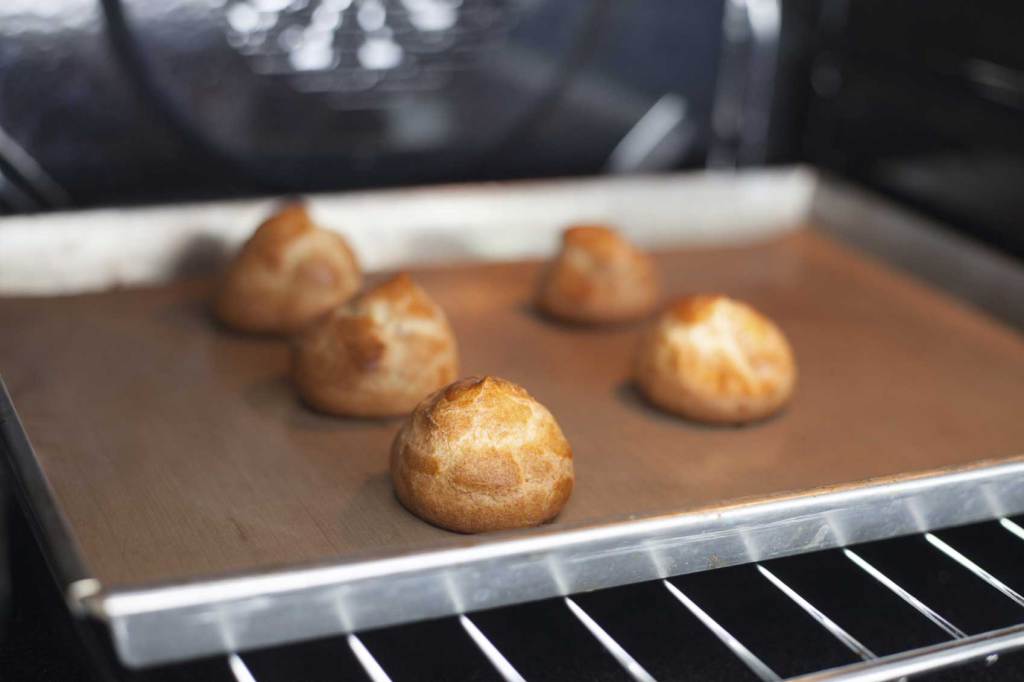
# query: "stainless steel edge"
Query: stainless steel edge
{"points": [[953, 263], [38, 503], [915, 661], [236, 613], [392, 228]]}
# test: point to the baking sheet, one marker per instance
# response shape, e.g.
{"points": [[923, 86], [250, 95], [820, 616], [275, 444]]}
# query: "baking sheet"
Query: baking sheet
{"points": [[179, 487], [177, 450]]}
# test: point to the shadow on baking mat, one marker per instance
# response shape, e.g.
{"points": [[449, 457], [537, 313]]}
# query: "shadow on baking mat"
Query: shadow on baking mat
{"points": [[376, 495], [306, 418], [628, 394], [188, 316], [275, 397], [530, 310], [271, 395]]}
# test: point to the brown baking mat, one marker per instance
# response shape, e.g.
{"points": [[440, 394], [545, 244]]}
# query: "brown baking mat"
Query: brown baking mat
{"points": [[178, 450]]}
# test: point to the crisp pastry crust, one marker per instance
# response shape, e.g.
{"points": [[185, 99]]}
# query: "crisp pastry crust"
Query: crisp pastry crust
{"points": [[715, 359], [286, 275], [482, 455], [598, 277], [380, 354]]}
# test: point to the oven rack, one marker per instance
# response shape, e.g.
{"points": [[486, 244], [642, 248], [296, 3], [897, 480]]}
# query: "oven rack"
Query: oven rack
{"points": [[957, 592]]}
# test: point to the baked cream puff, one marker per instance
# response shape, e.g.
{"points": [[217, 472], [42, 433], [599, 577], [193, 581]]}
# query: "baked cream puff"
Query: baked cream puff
{"points": [[482, 455], [714, 359], [378, 355], [286, 275], [598, 277]]}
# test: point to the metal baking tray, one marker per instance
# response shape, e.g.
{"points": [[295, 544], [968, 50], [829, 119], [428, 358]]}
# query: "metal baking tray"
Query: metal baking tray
{"points": [[188, 500]]}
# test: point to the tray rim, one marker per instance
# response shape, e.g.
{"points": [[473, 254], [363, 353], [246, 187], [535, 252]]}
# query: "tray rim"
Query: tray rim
{"points": [[383, 225], [220, 614], [233, 613], [250, 610]]}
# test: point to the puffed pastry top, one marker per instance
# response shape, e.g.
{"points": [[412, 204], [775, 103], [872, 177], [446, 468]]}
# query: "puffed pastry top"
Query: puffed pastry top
{"points": [[598, 277], [715, 359], [287, 274], [379, 354], [481, 455]]}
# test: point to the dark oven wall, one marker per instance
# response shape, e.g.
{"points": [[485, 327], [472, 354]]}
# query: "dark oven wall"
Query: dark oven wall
{"points": [[923, 100], [127, 100], [121, 101]]}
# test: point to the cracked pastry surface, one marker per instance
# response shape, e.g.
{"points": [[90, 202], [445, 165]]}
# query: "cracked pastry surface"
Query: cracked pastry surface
{"points": [[378, 355], [714, 359], [287, 274], [482, 455], [598, 277]]}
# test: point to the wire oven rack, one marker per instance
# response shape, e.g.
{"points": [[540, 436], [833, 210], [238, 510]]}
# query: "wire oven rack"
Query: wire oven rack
{"points": [[878, 611]]}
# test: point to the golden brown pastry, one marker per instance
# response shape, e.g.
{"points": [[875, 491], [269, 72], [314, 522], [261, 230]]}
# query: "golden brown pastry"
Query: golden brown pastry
{"points": [[715, 359], [482, 455], [380, 354], [289, 273], [598, 277]]}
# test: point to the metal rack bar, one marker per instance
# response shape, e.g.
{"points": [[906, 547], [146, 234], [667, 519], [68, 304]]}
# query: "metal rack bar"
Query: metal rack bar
{"points": [[366, 659], [501, 664], [925, 610], [961, 648], [974, 568], [834, 628], [916, 661], [756, 665], [1013, 527], [239, 669], [614, 648]]}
